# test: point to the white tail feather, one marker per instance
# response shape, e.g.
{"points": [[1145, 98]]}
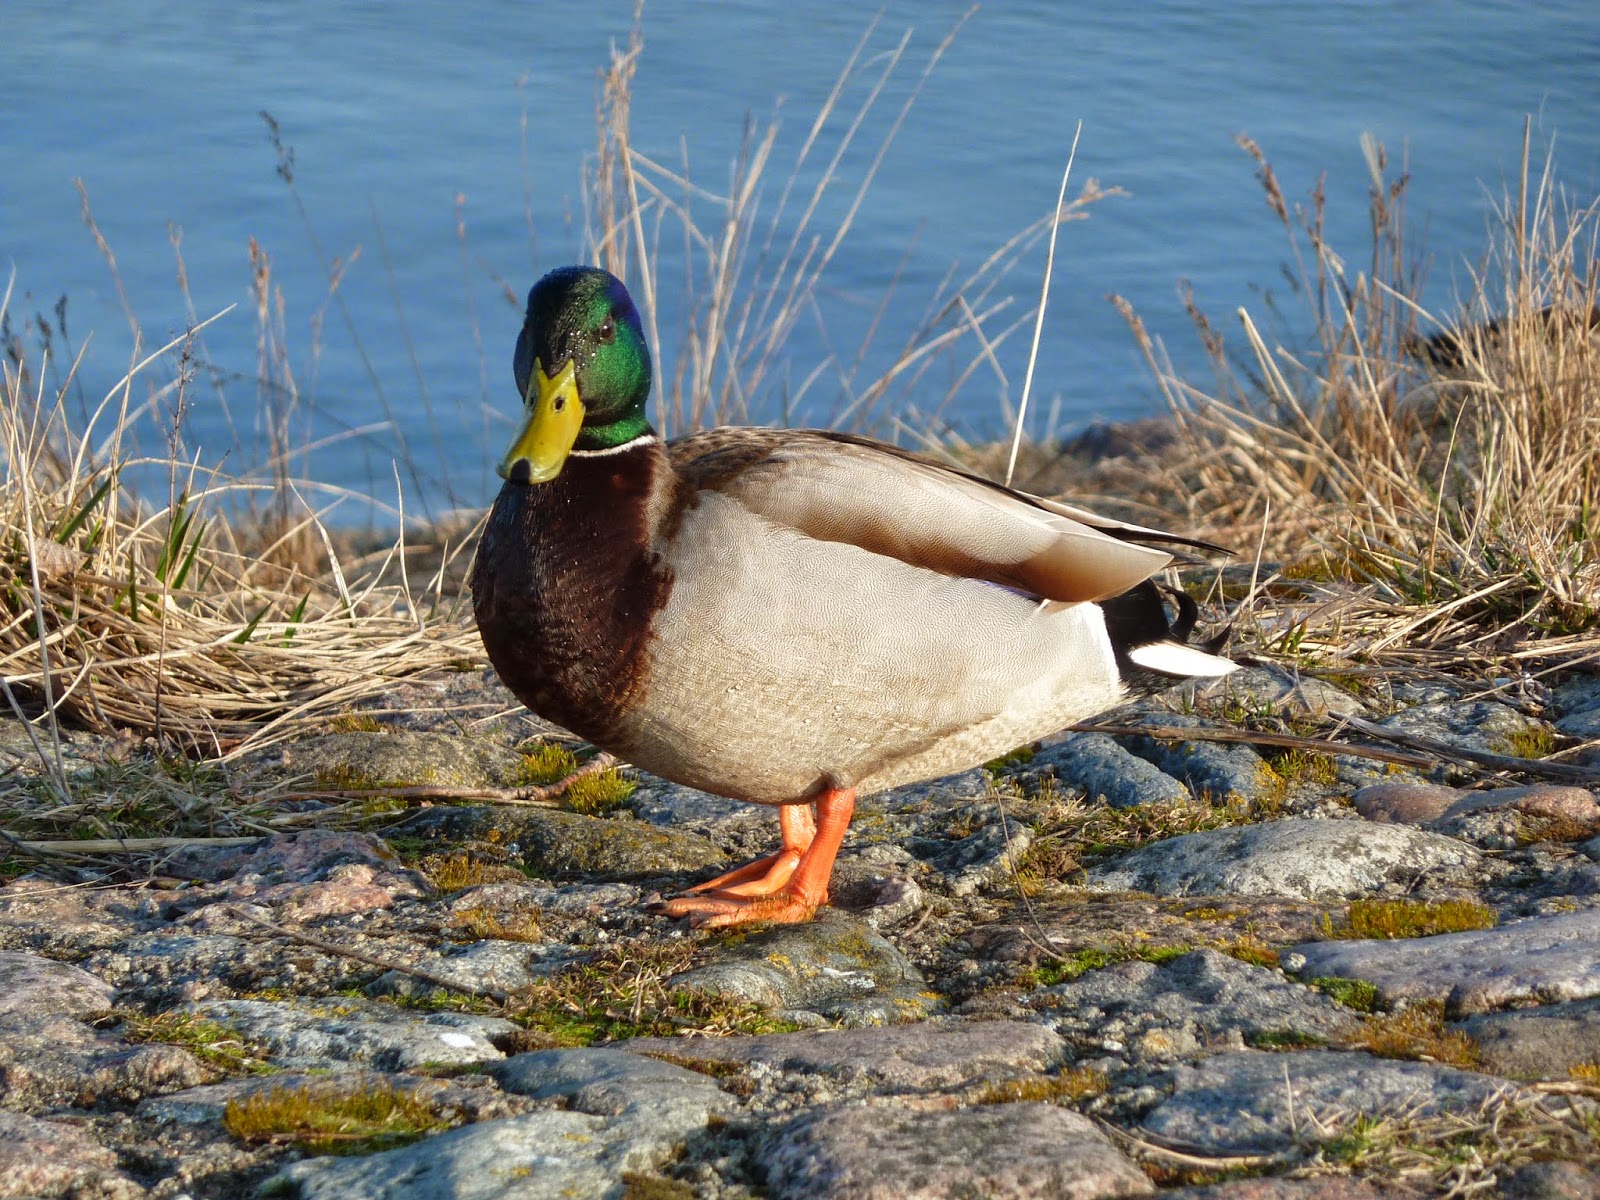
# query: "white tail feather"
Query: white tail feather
{"points": [[1172, 658]]}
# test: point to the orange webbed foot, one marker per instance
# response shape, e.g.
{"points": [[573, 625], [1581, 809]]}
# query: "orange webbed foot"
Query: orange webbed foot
{"points": [[785, 888]]}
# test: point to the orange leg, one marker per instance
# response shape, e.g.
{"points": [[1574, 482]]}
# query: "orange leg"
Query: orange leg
{"points": [[767, 875], [803, 890]]}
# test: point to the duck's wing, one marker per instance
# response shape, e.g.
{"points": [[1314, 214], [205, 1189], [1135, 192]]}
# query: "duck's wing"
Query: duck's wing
{"points": [[841, 488]]}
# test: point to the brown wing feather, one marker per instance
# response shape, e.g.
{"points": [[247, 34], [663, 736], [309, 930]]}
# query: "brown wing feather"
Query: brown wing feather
{"points": [[843, 488]]}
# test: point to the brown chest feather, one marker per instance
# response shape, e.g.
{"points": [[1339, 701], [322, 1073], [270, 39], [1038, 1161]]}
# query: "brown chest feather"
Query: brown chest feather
{"points": [[566, 587]]}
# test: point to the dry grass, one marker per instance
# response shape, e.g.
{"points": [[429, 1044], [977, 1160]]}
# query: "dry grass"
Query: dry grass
{"points": [[184, 620], [1424, 497]]}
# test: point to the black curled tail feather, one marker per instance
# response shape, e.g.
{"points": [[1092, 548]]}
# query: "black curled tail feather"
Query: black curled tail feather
{"points": [[1139, 617]]}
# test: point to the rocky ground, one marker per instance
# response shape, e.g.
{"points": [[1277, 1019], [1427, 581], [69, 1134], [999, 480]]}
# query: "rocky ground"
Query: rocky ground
{"points": [[1120, 966]]}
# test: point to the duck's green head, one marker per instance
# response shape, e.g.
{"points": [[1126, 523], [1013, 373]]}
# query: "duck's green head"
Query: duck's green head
{"points": [[583, 370]]}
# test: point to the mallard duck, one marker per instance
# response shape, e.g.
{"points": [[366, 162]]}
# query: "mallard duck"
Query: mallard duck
{"points": [[789, 617]]}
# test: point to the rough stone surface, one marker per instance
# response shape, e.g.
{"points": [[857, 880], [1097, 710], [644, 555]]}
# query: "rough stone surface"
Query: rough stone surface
{"points": [[1307, 859], [1404, 803], [1105, 771], [566, 845], [339, 1031], [1175, 1008], [1485, 725], [56, 1158], [31, 984], [1538, 1043], [1268, 689], [400, 758], [537, 1156], [48, 1061], [1551, 1181], [1216, 769], [835, 966], [927, 920], [1251, 1102], [943, 1054], [1540, 960], [1004, 1152], [616, 1083]]}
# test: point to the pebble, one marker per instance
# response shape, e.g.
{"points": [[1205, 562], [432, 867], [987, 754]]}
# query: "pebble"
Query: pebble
{"points": [[1538, 1043], [835, 967], [1001, 1152], [889, 1095], [1252, 1102], [1308, 859], [1539, 960], [1404, 803], [1220, 770], [1197, 999], [1104, 771], [31, 984], [924, 1056], [342, 1031], [1485, 725]]}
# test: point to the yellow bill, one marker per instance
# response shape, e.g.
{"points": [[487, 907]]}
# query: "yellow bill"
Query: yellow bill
{"points": [[555, 415]]}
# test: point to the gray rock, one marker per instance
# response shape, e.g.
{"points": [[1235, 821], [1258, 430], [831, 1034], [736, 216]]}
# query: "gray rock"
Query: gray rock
{"points": [[1217, 769], [1538, 1043], [1551, 1181], [488, 964], [1308, 859], [338, 1032], [399, 758], [31, 984], [1470, 724], [48, 1061], [301, 857], [1248, 1101], [1103, 770], [1404, 803], [54, 1158], [1268, 689], [1004, 1152], [1508, 817], [614, 1083], [537, 1156], [835, 966], [1166, 1010], [1322, 1187], [985, 858], [921, 1057], [1542, 960], [566, 845], [881, 898]]}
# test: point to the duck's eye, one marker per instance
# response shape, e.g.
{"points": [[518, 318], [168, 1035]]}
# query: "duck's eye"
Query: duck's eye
{"points": [[607, 331]]}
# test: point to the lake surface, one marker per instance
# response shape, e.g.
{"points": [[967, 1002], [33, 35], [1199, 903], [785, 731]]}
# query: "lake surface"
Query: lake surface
{"points": [[408, 126]]}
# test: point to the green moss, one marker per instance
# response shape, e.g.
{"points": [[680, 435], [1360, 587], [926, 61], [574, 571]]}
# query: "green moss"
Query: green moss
{"points": [[214, 1044], [1534, 742], [637, 1185], [623, 992], [542, 764], [327, 1120], [1074, 1083], [1021, 756], [355, 723], [1356, 994], [1389, 919], [1284, 1039], [596, 795]]}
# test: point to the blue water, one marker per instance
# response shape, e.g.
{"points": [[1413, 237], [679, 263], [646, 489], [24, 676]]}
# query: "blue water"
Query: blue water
{"points": [[393, 113]]}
